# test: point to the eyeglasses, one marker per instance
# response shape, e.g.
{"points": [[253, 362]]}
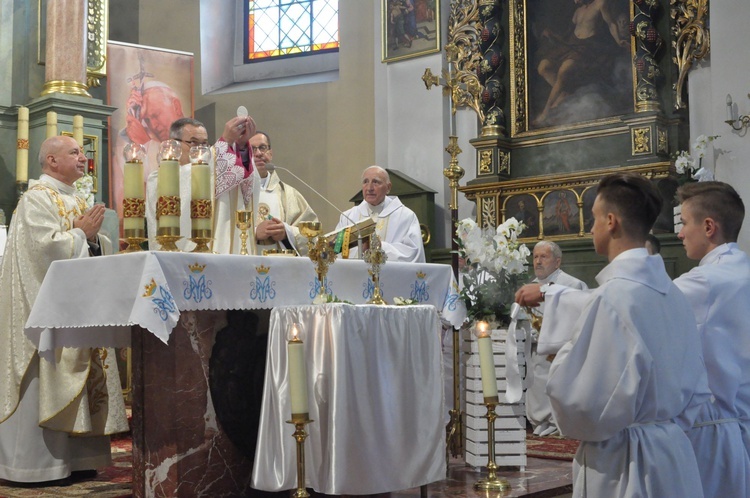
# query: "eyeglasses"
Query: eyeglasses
{"points": [[193, 143], [261, 148]]}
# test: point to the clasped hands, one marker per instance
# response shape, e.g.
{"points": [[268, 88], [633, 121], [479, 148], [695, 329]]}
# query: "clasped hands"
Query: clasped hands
{"points": [[270, 229], [90, 221]]}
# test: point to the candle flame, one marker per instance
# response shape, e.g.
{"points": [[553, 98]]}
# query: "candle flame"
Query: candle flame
{"points": [[295, 333], [482, 329]]}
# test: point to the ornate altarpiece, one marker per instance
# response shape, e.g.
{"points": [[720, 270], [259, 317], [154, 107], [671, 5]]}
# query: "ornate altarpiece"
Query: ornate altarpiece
{"points": [[568, 92]]}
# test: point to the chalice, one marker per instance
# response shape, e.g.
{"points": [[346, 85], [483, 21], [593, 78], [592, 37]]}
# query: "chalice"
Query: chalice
{"points": [[244, 223]]}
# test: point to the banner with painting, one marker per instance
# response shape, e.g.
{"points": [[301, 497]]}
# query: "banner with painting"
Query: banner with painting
{"points": [[150, 88]]}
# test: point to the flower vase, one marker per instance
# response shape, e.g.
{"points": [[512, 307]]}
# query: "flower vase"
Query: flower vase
{"points": [[510, 425], [677, 211]]}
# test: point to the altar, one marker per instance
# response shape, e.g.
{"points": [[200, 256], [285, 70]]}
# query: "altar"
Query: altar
{"points": [[175, 303]]}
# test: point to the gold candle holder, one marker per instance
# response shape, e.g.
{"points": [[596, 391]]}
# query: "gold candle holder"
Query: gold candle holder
{"points": [[134, 237], [167, 238], [244, 223], [320, 252], [375, 256], [300, 435], [492, 482], [202, 239]]}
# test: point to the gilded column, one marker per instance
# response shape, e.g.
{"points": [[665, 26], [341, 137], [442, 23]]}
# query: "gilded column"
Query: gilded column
{"points": [[65, 67], [648, 43], [491, 67]]}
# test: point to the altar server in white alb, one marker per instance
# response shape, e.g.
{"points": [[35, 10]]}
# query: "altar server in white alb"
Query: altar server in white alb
{"points": [[547, 259], [396, 225], [58, 409], [628, 378], [719, 291]]}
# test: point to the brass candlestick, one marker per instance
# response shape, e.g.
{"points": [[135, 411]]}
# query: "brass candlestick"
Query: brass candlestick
{"points": [[375, 256], [492, 482], [134, 237], [201, 238], [300, 435], [320, 252], [244, 222], [167, 238]]}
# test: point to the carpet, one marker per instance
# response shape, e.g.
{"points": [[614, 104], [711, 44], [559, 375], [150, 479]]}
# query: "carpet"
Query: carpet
{"points": [[115, 481], [553, 447]]}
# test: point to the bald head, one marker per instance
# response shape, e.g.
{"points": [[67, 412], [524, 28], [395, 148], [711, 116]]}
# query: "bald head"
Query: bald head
{"points": [[376, 184], [61, 158]]}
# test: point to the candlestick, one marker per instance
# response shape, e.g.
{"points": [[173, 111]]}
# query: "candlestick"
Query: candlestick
{"points": [[51, 124], [486, 361], [22, 146], [133, 202], [78, 129], [300, 435], [492, 482], [297, 376], [168, 192]]}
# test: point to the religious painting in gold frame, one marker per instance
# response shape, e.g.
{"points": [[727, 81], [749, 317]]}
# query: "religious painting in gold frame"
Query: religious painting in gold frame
{"points": [[571, 63], [410, 28]]}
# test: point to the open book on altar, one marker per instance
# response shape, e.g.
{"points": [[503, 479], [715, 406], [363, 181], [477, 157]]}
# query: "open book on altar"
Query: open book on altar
{"points": [[347, 237]]}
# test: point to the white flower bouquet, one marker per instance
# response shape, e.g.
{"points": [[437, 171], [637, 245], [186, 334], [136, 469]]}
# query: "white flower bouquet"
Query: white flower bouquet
{"points": [[495, 265], [690, 165]]}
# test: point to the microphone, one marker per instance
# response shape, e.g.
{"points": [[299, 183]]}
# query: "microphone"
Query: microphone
{"points": [[270, 167]]}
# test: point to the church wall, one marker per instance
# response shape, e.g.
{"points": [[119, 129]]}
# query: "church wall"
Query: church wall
{"points": [[727, 73]]}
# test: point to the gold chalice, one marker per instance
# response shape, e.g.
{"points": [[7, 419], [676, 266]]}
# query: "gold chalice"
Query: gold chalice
{"points": [[310, 229], [244, 223]]}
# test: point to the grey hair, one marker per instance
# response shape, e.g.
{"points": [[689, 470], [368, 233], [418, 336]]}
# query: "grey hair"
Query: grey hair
{"points": [[175, 129], [380, 170], [556, 251]]}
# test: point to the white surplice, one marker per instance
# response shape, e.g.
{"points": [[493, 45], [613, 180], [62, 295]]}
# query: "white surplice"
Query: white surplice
{"points": [[282, 201], [74, 391], [719, 291], [632, 368], [538, 409], [233, 191], [396, 225]]}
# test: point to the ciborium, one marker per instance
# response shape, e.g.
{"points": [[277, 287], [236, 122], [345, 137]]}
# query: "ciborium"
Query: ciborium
{"points": [[244, 223], [321, 253]]}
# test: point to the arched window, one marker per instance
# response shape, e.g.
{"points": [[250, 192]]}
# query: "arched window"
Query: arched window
{"points": [[276, 29]]}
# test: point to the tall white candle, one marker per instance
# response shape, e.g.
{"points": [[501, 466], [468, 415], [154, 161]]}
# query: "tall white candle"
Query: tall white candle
{"points": [[486, 361], [22, 145], [168, 185], [78, 129], [51, 124], [200, 187], [297, 373]]}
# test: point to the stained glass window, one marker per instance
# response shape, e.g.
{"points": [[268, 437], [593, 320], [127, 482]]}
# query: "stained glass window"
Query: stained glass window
{"points": [[277, 29]]}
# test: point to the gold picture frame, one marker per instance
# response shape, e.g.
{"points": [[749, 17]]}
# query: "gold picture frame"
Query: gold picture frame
{"points": [[410, 28]]}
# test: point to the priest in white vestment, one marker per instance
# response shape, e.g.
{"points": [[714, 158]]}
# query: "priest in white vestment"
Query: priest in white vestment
{"points": [[719, 292], [547, 259], [396, 225], [57, 410], [233, 183], [630, 378], [281, 207]]}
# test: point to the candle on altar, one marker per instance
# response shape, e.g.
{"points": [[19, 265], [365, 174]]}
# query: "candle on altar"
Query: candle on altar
{"points": [[78, 129], [22, 145], [200, 182], [51, 124], [297, 374], [168, 183], [133, 182], [486, 360]]}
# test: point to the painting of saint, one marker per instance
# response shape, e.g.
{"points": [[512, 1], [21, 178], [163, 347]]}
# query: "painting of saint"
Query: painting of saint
{"points": [[579, 61]]}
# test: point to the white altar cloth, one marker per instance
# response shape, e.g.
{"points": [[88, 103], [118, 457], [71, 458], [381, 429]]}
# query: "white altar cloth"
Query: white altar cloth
{"points": [[95, 301], [375, 394]]}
